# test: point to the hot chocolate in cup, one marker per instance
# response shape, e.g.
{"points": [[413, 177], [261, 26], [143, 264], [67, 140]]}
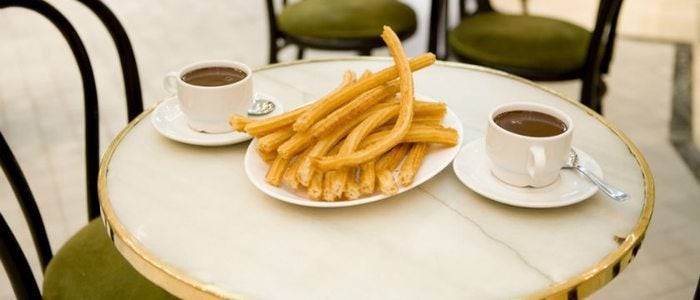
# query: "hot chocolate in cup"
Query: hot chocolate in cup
{"points": [[210, 92], [528, 143]]}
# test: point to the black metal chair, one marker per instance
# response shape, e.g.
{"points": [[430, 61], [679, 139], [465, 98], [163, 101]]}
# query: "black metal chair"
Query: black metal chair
{"points": [[336, 25], [539, 48], [132, 85], [88, 265]]}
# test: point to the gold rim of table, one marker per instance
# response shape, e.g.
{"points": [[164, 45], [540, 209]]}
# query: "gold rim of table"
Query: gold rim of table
{"points": [[576, 287]]}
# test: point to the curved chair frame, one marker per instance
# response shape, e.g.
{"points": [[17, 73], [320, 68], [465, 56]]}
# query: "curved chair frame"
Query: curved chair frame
{"points": [[279, 40], [132, 90], [91, 112], [132, 85], [130, 72], [598, 56], [13, 259]]}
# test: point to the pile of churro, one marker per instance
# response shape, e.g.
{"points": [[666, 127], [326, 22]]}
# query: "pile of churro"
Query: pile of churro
{"points": [[349, 143]]}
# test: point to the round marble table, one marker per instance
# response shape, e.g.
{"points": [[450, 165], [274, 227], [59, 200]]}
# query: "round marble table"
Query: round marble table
{"points": [[188, 219]]}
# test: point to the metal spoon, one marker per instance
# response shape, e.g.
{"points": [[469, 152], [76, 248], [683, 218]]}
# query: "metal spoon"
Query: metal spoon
{"points": [[260, 106], [611, 191]]}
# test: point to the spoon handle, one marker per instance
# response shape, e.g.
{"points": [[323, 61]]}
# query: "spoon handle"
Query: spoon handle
{"points": [[609, 190]]}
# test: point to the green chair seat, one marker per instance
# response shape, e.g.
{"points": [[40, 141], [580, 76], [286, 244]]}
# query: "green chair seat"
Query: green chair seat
{"points": [[521, 43], [88, 266], [341, 19]]}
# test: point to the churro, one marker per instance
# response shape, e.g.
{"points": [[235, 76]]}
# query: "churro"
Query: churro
{"points": [[431, 134], [295, 144], [290, 175], [267, 156], [328, 193], [269, 125], [273, 140], [418, 133], [367, 177], [274, 174], [334, 100], [412, 163], [323, 145], [430, 110], [403, 121], [388, 162], [428, 119], [352, 189], [355, 107], [238, 123], [263, 127], [315, 189]]}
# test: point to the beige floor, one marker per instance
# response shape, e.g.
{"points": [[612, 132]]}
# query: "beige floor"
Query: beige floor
{"points": [[41, 110]]}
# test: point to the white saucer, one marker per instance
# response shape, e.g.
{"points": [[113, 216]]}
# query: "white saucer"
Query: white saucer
{"points": [[472, 167], [171, 122]]}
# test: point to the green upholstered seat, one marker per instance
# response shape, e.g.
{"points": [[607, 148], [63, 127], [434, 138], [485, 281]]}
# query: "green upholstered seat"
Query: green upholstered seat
{"points": [[88, 266], [342, 19], [519, 42]]}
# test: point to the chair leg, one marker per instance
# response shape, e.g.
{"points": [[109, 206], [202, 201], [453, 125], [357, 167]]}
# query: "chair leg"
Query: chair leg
{"points": [[592, 93], [436, 13], [602, 88], [365, 52], [526, 10], [445, 54], [300, 52], [273, 51]]}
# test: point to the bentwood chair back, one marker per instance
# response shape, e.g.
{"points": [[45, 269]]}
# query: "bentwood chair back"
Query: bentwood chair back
{"points": [[130, 74], [13, 259], [336, 24], [539, 48], [87, 266]]}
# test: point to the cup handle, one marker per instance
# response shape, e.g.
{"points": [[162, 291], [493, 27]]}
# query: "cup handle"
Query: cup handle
{"points": [[536, 161], [170, 83]]}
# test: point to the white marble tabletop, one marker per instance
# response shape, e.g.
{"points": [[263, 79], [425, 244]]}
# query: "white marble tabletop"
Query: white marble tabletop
{"points": [[189, 219]]}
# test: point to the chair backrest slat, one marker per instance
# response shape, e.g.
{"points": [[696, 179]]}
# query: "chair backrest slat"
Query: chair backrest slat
{"points": [[275, 33], [611, 17], [26, 202], [272, 17], [91, 113], [132, 84], [16, 266], [600, 47]]}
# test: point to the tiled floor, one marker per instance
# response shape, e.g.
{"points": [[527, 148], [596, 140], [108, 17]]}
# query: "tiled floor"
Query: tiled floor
{"points": [[41, 109]]}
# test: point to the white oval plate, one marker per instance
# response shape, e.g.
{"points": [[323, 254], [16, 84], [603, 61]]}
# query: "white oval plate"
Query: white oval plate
{"points": [[171, 122], [435, 161], [472, 167]]}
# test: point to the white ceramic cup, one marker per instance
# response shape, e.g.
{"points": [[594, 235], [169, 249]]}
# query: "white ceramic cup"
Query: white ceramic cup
{"points": [[208, 108], [524, 160]]}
